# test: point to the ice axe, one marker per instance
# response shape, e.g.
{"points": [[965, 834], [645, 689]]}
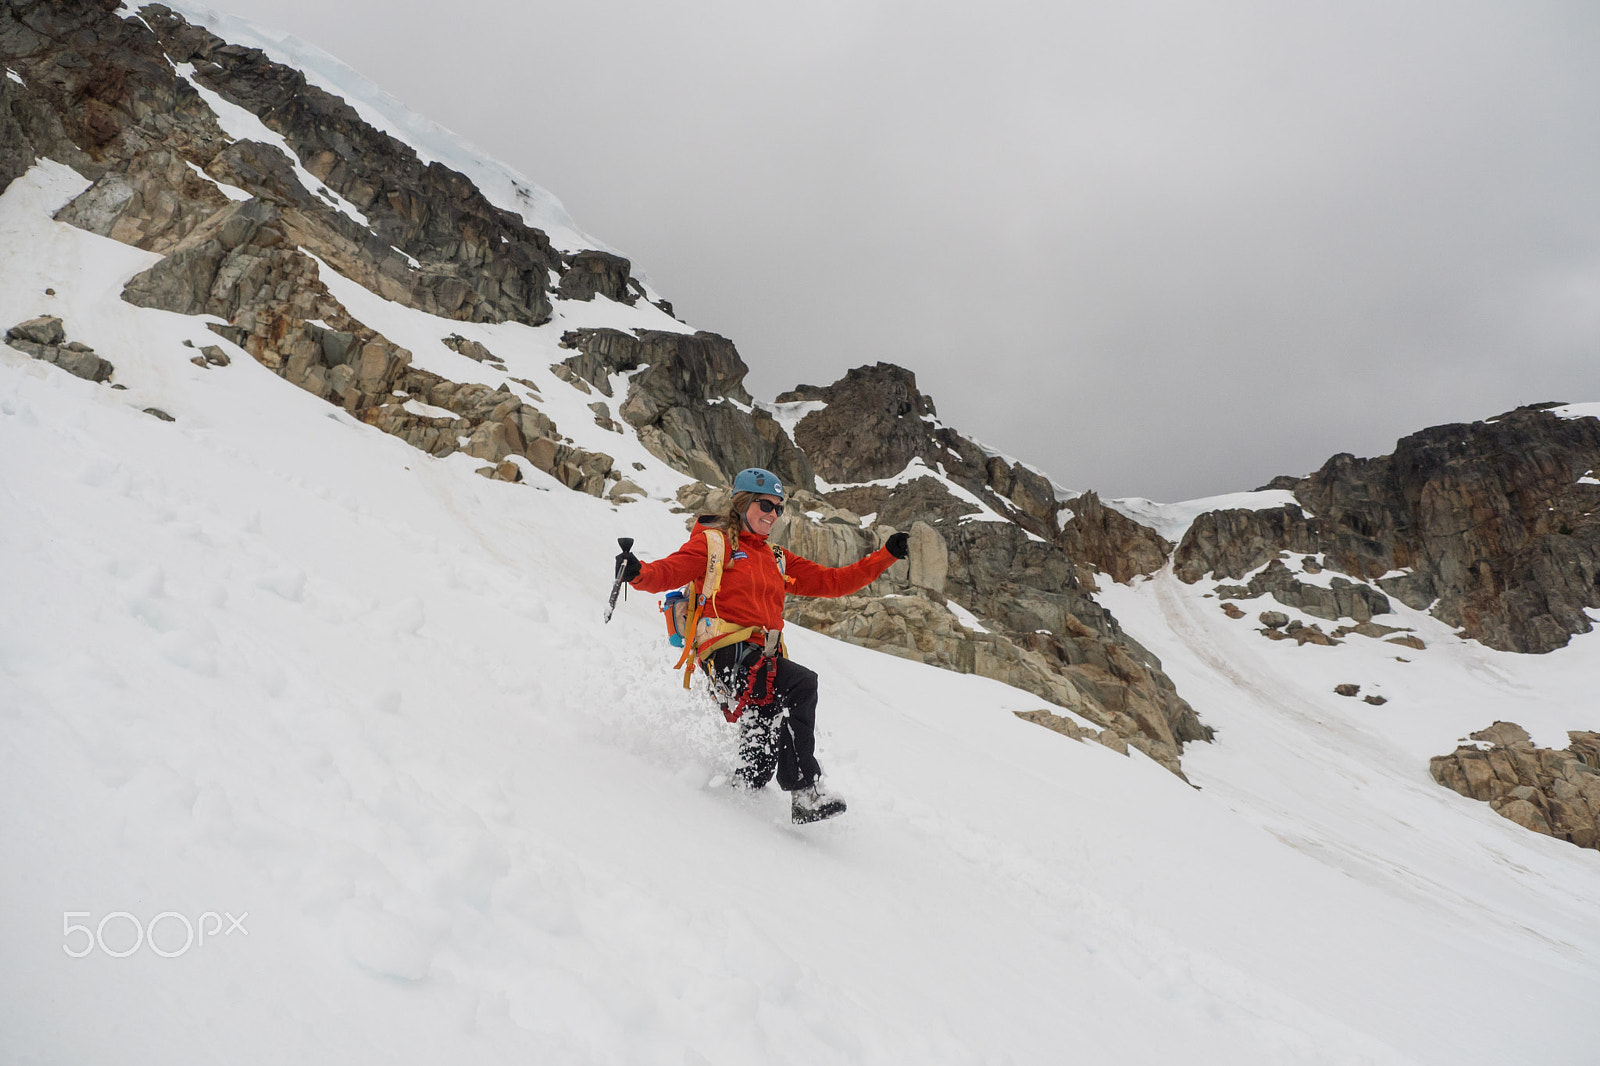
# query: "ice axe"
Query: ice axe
{"points": [[626, 544]]}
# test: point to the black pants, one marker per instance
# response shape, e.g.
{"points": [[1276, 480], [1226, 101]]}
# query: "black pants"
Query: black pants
{"points": [[778, 736]]}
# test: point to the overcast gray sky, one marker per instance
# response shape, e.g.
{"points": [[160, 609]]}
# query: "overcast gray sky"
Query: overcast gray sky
{"points": [[1165, 249]]}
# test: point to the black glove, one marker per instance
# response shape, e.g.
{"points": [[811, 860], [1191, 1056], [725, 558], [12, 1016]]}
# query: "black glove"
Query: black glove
{"points": [[629, 566], [899, 545]]}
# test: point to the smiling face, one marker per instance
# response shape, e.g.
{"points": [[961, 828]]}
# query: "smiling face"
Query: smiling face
{"points": [[758, 521]]}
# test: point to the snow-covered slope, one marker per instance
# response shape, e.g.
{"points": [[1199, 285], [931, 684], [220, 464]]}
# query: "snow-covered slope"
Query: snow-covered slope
{"points": [[348, 713], [266, 661]]}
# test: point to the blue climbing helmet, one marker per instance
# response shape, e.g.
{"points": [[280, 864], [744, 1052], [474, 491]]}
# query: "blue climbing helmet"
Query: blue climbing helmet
{"points": [[759, 481]]}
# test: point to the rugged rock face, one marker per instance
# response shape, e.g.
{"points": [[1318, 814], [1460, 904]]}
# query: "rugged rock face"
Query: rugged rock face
{"points": [[1488, 522], [478, 262], [46, 339], [592, 273], [876, 423], [235, 220], [1231, 543], [689, 403], [1110, 541], [1556, 793], [478, 353], [152, 205], [1341, 599], [64, 100], [1105, 681]]}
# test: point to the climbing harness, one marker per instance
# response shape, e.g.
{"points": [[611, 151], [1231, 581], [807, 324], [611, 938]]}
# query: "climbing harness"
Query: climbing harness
{"points": [[767, 661]]}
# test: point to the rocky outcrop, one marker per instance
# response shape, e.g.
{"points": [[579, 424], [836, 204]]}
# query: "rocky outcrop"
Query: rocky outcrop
{"points": [[1068, 728], [876, 423], [592, 273], [241, 265], [62, 99], [1341, 598], [1488, 524], [1492, 517], [236, 266], [1029, 492], [1556, 793], [1110, 541], [477, 261], [17, 151], [686, 398], [46, 339], [478, 353], [1299, 632], [1231, 543], [153, 204]]}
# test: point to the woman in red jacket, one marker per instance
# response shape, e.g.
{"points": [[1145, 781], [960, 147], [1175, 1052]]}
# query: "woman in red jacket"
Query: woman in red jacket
{"points": [[738, 643]]}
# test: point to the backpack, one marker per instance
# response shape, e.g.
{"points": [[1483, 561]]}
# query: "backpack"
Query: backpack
{"points": [[687, 628]]}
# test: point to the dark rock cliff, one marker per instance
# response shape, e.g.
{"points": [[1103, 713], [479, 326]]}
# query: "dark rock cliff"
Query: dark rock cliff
{"points": [[1111, 542], [876, 422], [1491, 524], [688, 402]]}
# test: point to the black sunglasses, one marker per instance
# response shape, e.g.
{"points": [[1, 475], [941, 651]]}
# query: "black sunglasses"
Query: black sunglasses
{"points": [[768, 507]]}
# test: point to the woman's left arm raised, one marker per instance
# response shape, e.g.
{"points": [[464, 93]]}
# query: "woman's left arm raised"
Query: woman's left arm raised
{"points": [[814, 579]]}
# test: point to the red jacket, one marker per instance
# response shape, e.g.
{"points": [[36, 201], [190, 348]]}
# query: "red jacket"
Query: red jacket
{"points": [[752, 589]]}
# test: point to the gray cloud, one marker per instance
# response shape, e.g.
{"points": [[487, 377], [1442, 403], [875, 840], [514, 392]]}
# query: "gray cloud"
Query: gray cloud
{"points": [[1161, 249]]}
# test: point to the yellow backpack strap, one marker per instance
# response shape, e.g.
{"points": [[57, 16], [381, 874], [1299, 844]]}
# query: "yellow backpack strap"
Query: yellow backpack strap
{"points": [[688, 632], [715, 545]]}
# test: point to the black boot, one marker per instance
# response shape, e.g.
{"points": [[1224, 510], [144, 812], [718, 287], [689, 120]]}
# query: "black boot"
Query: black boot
{"points": [[811, 804]]}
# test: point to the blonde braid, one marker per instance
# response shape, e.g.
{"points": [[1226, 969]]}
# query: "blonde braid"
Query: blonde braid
{"points": [[733, 522]]}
